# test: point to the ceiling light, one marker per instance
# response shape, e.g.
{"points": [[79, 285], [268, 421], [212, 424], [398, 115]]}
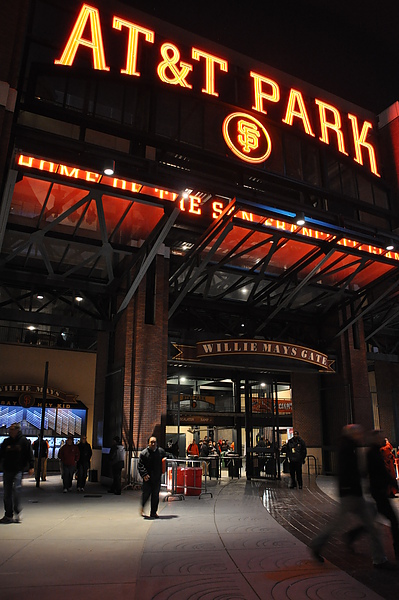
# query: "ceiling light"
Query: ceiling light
{"points": [[109, 167], [300, 218], [31, 328], [39, 297], [390, 245], [78, 298]]}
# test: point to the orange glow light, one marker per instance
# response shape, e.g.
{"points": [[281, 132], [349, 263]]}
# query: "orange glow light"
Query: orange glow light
{"points": [[360, 140], [296, 100], [87, 13], [210, 61], [132, 44], [260, 94], [334, 126]]}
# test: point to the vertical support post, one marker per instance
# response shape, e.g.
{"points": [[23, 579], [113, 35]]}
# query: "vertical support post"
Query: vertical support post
{"points": [[41, 441]]}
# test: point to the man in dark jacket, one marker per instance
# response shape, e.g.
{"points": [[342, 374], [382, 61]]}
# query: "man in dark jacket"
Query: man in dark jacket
{"points": [[83, 463], [16, 454], [351, 498], [150, 469], [296, 454]]}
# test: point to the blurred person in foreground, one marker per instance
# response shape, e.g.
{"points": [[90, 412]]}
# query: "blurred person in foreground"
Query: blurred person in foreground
{"points": [[17, 456], [351, 499], [381, 483]]}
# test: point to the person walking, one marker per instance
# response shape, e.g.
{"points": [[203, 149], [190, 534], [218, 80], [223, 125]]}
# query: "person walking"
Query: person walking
{"points": [[296, 454], [389, 460], [16, 454], [83, 464], [351, 499], [381, 482], [69, 456], [150, 469], [117, 459]]}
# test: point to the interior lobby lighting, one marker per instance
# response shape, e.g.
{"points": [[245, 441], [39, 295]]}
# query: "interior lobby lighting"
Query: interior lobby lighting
{"points": [[78, 298], [390, 245], [300, 218], [31, 328], [109, 167], [40, 297]]}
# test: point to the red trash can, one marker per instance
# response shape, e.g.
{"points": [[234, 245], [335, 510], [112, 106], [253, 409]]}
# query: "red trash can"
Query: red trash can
{"points": [[192, 481]]}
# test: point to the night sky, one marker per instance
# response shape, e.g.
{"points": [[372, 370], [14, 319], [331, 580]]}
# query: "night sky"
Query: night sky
{"points": [[349, 48]]}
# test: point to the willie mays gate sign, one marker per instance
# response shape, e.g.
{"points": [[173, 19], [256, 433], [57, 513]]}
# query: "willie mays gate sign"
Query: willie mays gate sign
{"points": [[259, 348]]}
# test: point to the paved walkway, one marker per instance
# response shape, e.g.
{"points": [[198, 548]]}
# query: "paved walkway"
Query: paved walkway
{"points": [[95, 546]]}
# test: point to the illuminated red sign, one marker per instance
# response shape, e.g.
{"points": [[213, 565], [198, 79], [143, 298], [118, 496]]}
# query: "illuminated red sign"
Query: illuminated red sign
{"points": [[192, 204], [173, 69]]}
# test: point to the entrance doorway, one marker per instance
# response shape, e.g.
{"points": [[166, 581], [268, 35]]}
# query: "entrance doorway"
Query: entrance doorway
{"points": [[240, 409]]}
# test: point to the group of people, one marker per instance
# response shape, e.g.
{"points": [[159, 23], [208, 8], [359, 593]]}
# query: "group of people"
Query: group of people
{"points": [[208, 447], [74, 459], [17, 455]]}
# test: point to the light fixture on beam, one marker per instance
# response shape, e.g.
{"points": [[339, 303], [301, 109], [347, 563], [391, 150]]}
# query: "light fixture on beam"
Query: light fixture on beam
{"points": [[300, 218], [186, 193], [390, 245], [109, 167]]}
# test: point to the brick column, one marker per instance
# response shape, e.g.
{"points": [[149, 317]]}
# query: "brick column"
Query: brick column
{"points": [[387, 384], [306, 409], [355, 373], [146, 348]]}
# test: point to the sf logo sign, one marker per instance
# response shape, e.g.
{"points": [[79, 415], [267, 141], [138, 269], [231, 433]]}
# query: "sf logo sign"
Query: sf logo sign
{"points": [[247, 137]]}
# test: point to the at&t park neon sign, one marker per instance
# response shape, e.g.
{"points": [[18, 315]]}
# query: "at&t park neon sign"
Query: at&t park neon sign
{"points": [[245, 135], [192, 205]]}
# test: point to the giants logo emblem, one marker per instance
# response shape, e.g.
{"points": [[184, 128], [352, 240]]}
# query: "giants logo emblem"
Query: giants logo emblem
{"points": [[247, 137]]}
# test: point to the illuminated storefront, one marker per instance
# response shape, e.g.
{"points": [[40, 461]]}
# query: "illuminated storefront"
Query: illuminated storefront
{"points": [[244, 238]]}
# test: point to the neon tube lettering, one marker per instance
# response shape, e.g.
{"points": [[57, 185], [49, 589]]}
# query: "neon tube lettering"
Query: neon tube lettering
{"points": [[132, 44], [296, 100], [260, 94], [87, 13], [210, 61], [334, 126], [360, 140], [178, 70]]}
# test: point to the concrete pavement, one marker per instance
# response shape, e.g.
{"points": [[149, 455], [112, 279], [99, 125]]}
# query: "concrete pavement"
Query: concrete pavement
{"points": [[96, 546]]}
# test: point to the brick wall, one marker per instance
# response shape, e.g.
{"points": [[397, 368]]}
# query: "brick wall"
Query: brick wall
{"points": [[306, 410], [387, 383]]}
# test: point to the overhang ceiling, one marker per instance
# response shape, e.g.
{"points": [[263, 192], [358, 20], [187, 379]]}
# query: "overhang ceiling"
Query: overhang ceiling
{"points": [[251, 272]]}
